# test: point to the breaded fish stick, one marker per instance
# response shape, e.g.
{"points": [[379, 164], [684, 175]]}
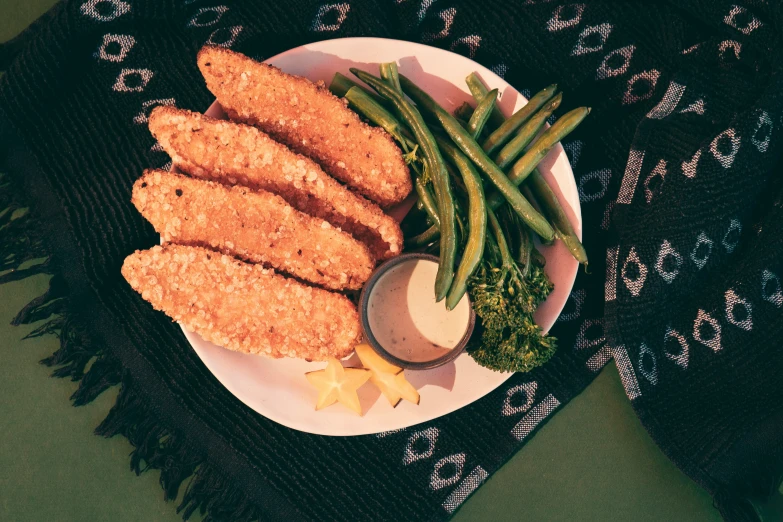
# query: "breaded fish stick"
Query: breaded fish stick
{"points": [[255, 226], [235, 153], [243, 307], [310, 120]]}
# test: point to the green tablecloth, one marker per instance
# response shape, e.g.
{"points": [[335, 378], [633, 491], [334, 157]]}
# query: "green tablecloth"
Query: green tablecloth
{"points": [[592, 461]]}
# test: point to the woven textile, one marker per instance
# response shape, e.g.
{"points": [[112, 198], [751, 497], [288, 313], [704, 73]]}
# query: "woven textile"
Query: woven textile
{"points": [[678, 174]]}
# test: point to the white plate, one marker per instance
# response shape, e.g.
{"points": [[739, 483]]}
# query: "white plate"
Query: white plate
{"points": [[277, 388]]}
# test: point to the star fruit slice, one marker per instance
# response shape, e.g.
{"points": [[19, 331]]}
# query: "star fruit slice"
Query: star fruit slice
{"points": [[337, 384], [388, 378]]}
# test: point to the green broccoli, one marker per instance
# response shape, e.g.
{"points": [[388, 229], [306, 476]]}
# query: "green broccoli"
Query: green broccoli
{"points": [[505, 296]]}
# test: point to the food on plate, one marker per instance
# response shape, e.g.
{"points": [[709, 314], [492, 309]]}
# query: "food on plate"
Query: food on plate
{"points": [[505, 294], [506, 130], [478, 119], [234, 153], [388, 378], [374, 362], [340, 85], [462, 139], [436, 170], [479, 91], [526, 166], [529, 130], [477, 223], [337, 384], [538, 150], [247, 202], [555, 212], [500, 268], [256, 226], [309, 119], [243, 307]]}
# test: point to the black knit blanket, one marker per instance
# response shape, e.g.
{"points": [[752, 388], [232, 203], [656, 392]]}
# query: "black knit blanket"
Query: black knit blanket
{"points": [[678, 169]]}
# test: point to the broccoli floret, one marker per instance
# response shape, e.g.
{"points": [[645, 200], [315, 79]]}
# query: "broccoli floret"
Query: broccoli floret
{"points": [[411, 155], [504, 300]]}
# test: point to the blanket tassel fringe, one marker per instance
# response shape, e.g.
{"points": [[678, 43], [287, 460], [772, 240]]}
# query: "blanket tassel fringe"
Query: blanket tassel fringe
{"points": [[208, 491]]}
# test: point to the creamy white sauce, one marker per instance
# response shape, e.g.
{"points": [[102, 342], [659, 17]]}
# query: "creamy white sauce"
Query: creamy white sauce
{"points": [[406, 320]]}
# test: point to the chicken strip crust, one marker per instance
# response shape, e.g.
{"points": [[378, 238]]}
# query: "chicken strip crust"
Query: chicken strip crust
{"points": [[259, 227], [234, 153], [243, 307], [309, 119]]}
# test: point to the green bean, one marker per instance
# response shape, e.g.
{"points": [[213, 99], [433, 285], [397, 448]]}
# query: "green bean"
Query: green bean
{"points": [[456, 177], [436, 168], [427, 201], [552, 208], [463, 112], [506, 218], [341, 85], [425, 198], [548, 139], [460, 194], [525, 249], [491, 250], [477, 223], [497, 231], [479, 90], [462, 227], [503, 133], [483, 110], [371, 110], [537, 258], [463, 123], [365, 105], [390, 75], [540, 148], [563, 227], [368, 108], [425, 238], [526, 133], [450, 150], [517, 235], [525, 189], [472, 150], [460, 202]]}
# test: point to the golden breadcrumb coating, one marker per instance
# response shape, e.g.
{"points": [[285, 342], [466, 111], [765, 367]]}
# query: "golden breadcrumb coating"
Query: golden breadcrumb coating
{"points": [[243, 307], [309, 119], [255, 226], [234, 153]]}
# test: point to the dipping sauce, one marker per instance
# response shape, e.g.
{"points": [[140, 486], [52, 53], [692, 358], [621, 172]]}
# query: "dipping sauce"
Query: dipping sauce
{"points": [[405, 319]]}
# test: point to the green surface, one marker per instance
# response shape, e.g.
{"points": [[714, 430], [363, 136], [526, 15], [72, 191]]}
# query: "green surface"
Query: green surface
{"points": [[52, 466], [592, 461]]}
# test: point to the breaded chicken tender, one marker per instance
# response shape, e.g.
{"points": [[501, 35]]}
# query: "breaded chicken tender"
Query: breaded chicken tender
{"points": [[309, 119], [243, 307], [234, 153], [255, 226]]}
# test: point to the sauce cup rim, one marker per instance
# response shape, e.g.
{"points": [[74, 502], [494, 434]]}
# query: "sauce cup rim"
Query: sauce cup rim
{"points": [[364, 300]]}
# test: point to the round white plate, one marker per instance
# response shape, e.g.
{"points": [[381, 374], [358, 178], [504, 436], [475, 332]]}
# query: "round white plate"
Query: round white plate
{"points": [[277, 388]]}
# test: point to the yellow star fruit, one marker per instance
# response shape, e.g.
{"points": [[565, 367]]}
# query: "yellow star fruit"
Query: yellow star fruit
{"points": [[388, 378], [337, 384]]}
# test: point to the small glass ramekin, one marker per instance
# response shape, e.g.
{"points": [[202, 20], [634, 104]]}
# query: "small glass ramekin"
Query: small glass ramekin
{"points": [[372, 341]]}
